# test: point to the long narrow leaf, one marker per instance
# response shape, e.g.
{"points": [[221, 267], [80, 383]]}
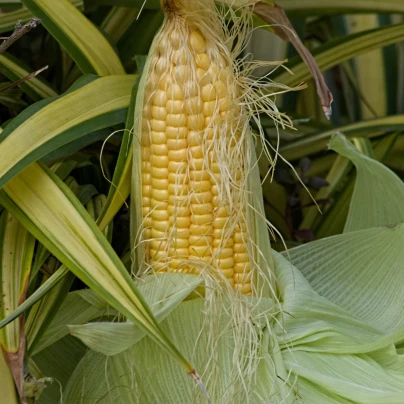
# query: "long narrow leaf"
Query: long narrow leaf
{"points": [[16, 252], [22, 14], [14, 70], [49, 124], [312, 144], [48, 209], [312, 7], [121, 181], [81, 39], [340, 50]]}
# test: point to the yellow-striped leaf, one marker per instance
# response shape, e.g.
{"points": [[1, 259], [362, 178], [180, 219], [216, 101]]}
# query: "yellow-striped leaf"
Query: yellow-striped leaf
{"points": [[50, 124], [311, 144], [8, 19], [121, 182], [14, 70], [7, 383], [49, 210], [310, 7], [77, 34], [16, 253], [340, 50]]}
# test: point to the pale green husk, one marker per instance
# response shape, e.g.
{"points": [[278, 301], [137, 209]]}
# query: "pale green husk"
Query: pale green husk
{"points": [[331, 342]]}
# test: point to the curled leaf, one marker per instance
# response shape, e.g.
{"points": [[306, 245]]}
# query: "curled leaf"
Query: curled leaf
{"points": [[276, 16]]}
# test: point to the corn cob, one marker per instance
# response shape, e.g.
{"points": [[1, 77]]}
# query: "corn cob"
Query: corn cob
{"points": [[193, 166]]}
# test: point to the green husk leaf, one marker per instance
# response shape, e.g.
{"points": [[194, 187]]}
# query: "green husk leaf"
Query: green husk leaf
{"points": [[336, 268], [75, 309], [369, 205], [356, 378], [163, 293]]}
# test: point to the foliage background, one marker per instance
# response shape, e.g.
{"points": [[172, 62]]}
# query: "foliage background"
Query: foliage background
{"points": [[357, 44]]}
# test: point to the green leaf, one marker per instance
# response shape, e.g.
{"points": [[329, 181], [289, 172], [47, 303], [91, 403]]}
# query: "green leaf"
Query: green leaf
{"points": [[58, 361], [22, 14], [118, 21], [49, 284], [43, 312], [14, 70], [369, 205], [36, 296], [16, 253], [311, 144], [163, 293], [121, 181], [145, 27], [75, 309], [10, 97], [150, 4], [81, 39], [340, 50], [356, 378], [49, 124], [7, 386], [48, 209], [360, 271], [313, 7], [335, 177]]}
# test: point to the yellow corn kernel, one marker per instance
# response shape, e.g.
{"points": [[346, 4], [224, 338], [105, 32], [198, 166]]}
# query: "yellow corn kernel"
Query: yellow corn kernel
{"points": [[187, 110], [197, 42], [202, 60]]}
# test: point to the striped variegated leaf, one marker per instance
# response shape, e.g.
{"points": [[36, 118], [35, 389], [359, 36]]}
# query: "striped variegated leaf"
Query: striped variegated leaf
{"points": [[49, 210], [14, 70], [42, 313], [314, 7], [16, 253], [317, 142], [81, 39], [8, 19], [16, 249], [7, 386], [121, 182], [91, 104]]}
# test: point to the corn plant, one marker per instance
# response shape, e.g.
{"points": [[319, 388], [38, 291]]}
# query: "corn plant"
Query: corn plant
{"points": [[146, 169]]}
